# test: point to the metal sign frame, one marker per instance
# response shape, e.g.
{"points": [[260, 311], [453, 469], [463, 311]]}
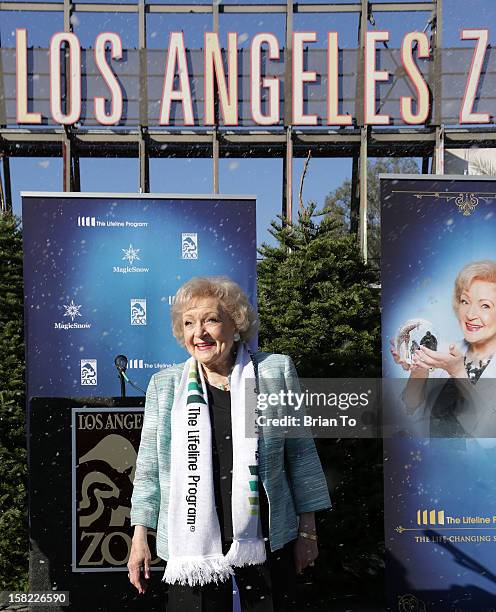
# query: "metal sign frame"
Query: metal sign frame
{"points": [[287, 142]]}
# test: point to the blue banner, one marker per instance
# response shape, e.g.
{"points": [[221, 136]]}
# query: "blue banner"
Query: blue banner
{"points": [[100, 273], [440, 481]]}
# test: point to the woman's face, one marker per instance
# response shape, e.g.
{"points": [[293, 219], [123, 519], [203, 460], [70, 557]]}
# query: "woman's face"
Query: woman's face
{"points": [[477, 312], [208, 333]]}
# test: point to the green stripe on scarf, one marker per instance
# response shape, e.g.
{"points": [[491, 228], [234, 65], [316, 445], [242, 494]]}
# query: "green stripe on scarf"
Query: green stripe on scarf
{"points": [[195, 399], [195, 391]]}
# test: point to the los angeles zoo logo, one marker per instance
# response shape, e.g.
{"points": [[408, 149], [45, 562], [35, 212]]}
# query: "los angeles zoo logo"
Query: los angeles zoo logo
{"points": [[105, 453]]}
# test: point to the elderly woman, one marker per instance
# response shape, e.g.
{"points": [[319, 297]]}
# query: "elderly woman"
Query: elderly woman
{"points": [[474, 303], [222, 503]]}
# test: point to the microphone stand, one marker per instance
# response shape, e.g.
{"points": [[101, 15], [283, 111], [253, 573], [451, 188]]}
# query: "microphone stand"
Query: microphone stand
{"points": [[123, 384], [121, 365]]}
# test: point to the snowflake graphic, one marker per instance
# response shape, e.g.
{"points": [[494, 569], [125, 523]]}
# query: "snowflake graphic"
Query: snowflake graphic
{"points": [[72, 310], [131, 254]]}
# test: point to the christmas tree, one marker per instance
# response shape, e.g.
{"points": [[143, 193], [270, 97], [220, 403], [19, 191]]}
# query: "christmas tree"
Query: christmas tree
{"points": [[319, 303], [13, 454]]}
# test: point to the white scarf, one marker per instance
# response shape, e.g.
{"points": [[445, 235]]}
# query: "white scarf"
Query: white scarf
{"points": [[195, 547]]}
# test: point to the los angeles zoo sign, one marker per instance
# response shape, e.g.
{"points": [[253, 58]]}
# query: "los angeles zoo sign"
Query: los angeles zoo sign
{"points": [[108, 85]]}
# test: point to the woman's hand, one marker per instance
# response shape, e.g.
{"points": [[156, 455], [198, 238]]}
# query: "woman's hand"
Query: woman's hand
{"points": [[451, 362], [413, 368], [139, 559], [305, 553], [305, 549]]}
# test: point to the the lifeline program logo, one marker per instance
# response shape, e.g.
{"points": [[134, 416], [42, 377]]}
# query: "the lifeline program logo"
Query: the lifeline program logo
{"points": [[94, 222], [89, 372], [189, 246], [141, 364], [131, 254], [71, 311], [138, 311], [463, 528]]}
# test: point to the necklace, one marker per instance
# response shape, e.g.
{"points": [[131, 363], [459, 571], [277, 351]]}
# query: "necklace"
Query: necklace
{"points": [[220, 386], [474, 372], [473, 357]]}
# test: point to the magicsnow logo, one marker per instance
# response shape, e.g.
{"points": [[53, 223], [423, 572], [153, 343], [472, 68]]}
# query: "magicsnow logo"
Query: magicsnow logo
{"points": [[130, 255], [71, 317], [189, 246], [89, 373], [72, 310], [138, 311]]}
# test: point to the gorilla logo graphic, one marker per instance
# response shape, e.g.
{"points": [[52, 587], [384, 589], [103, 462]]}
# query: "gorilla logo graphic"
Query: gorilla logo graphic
{"points": [[138, 314], [189, 248], [106, 476], [88, 374]]}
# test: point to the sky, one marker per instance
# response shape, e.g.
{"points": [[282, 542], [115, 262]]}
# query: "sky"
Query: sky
{"points": [[260, 177]]}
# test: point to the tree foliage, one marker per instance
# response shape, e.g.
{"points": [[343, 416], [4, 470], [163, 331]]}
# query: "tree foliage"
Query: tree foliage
{"points": [[319, 303], [317, 300], [13, 454], [338, 203]]}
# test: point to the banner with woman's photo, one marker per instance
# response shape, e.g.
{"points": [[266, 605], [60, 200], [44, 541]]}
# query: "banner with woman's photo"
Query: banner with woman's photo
{"points": [[439, 362]]}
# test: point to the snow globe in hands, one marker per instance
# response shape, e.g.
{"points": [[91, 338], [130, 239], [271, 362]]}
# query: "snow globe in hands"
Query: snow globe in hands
{"points": [[413, 334]]}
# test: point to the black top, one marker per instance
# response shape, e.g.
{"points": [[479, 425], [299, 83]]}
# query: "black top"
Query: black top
{"points": [[443, 421], [222, 458]]}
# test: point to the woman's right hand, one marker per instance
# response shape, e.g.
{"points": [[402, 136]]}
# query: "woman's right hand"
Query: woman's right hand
{"points": [[413, 368], [396, 356], [139, 560]]}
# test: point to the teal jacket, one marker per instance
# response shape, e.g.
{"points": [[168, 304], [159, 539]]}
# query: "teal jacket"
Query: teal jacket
{"points": [[289, 468]]}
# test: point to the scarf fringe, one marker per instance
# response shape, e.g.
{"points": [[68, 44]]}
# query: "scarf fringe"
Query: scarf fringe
{"points": [[197, 570], [246, 552]]}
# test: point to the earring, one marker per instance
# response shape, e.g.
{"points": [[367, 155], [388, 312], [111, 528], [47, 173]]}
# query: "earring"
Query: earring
{"points": [[236, 337]]}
